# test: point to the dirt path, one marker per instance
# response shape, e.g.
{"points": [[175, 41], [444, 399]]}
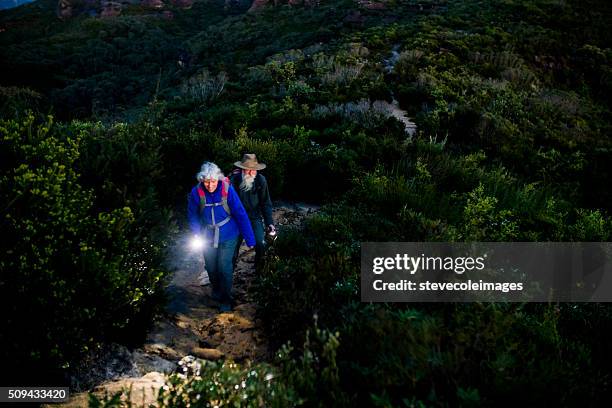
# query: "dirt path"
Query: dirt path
{"points": [[409, 126], [394, 109], [192, 325]]}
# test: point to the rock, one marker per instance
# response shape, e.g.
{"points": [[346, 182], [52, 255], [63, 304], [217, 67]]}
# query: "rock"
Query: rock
{"points": [[113, 8], [164, 351], [111, 362], [208, 353], [305, 208], [259, 4], [373, 5], [103, 8], [64, 9], [144, 391], [110, 9], [152, 4], [146, 363]]}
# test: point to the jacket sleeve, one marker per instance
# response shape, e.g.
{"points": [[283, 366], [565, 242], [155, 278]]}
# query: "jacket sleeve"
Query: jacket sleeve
{"points": [[265, 203], [193, 212], [240, 216]]}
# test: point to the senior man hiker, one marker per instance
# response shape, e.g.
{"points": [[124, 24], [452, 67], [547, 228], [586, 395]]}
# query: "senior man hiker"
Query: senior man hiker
{"points": [[252, 189], [217, 216]]}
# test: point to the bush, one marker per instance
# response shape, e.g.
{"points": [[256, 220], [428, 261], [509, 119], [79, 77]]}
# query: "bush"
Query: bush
{"points": [[202, 383], [14, 101], [71, 275]]}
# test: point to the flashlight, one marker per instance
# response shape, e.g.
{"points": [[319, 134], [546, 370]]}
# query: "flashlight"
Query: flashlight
{"points": [[197, 243], [271, 235]]}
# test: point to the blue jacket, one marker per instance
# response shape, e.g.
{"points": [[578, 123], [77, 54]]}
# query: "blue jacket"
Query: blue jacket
{"points": [[239, 223]]}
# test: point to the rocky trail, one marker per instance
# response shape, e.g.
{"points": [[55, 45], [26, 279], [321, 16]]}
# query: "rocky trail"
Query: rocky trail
{"points": [[191, 325], [394, 109]]}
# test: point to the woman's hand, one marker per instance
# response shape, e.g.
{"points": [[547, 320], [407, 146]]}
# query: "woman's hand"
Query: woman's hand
{"points": [[196, 243]]}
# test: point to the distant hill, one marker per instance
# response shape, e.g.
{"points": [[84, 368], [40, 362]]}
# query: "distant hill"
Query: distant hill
{"points": [[7, 4]]}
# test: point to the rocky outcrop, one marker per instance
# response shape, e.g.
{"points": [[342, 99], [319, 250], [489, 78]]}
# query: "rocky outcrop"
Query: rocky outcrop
{"points": [[373, 5], [260, 4], [113, 8], [110, 9], [64, 9], [153, 4], [100, 8]]}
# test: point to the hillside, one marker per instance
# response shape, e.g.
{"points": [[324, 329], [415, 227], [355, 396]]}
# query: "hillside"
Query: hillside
{"points": [[406, 120]]}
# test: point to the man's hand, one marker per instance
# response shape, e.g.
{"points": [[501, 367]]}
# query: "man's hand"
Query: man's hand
{"points": [[271, 229]]}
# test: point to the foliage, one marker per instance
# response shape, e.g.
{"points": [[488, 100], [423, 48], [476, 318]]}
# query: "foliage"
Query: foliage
{"points": [[442, 354], [14, 100], [203, 87], [202, 383], [512, 104], [71, 274]]}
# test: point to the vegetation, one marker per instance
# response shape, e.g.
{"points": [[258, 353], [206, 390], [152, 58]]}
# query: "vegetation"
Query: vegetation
{"points": [[75, 273], [512, 105]]}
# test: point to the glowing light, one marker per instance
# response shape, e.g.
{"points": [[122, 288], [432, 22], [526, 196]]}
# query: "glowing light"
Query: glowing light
{"points": [[197, 243]]}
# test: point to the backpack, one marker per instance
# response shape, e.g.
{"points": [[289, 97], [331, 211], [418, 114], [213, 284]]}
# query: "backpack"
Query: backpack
{"points": [[225, 184]]}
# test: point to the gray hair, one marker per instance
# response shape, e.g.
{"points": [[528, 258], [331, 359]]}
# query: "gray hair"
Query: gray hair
{"points": [[209, 171]]}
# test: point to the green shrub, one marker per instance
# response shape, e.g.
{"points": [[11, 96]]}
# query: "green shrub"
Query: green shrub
{"points": [[15, 101], [591, 226], [483, 221], [71, 275], [203, 383]]}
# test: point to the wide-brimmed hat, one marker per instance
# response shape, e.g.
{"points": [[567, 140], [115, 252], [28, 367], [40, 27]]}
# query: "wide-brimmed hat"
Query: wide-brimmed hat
{"points": [[249, 162]]}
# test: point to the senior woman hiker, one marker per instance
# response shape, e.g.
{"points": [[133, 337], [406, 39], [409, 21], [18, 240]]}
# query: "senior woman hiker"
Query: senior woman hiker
{"points": [[217, 216]]}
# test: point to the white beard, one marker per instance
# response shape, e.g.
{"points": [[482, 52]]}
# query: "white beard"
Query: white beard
{"points": [[247, 182]]}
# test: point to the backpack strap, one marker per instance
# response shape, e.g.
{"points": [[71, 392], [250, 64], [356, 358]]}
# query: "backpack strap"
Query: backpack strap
{"points": [[202, 198], [216, 226], [225, 185], [224, 193]]}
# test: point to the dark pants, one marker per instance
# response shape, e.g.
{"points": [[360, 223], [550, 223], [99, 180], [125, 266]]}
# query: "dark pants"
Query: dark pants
{"points": [[260, 244], [221, 269]]}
